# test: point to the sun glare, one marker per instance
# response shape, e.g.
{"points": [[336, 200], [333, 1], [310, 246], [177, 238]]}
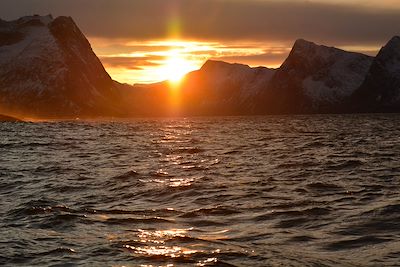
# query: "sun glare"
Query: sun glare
{"points": [[171, 59], [175, 67]]}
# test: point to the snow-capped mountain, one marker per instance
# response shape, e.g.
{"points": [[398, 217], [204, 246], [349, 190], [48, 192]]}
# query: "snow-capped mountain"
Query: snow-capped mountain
{"points": [[381, 89], [225, 88], [314, 78], [48, 68], [217, 88], [234, 78]]}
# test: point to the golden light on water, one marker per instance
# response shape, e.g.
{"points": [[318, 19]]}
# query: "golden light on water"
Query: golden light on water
{"points": [[173, 182], [154, 243], [162, 245], [172, 252], [161, 235]]}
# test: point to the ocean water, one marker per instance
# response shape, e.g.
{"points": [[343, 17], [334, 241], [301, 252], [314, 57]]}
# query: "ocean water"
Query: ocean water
{"points": [[319, 190]]}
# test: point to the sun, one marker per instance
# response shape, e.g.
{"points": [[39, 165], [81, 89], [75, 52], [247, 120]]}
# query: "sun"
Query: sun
{"points": [[176, 66]]}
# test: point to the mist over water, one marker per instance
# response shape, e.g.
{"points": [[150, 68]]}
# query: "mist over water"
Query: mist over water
{"points": [[320, 190]]}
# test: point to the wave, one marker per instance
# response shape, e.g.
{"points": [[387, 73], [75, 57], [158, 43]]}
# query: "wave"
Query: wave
{"points": [[246, 191]]}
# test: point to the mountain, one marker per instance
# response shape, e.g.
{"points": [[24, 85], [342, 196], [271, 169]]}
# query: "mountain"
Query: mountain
{"points": [[224, 88], [48, 69], [380, 92], [314, 78], [217, 88]]}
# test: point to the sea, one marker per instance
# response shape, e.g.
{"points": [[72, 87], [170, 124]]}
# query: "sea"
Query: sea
{"points": [[306, 190]]}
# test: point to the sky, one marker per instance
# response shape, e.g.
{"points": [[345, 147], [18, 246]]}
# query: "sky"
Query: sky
{"points": [[139, 41]]}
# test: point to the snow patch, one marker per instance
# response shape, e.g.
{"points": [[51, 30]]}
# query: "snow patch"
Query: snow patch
{"points": [[338, 75], [243, 80]]}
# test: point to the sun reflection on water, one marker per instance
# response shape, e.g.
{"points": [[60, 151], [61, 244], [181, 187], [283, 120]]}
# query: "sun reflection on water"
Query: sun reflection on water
{"points": [[172, 182], [145, 265], [172, 252], [155, 244], [160, 236]]}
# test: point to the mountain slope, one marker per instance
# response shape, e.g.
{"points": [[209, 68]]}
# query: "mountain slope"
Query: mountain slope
{"points": [[380, 91], [217, 88], [224, 88], [48, 68], [314, 78]]}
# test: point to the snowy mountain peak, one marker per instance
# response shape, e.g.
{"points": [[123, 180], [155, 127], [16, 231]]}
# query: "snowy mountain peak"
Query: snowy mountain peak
{"points": [[45, 20], [319, 75], [389, 56], [305, 48], [71, 38], [47, 67], [381, 88], [27, 21], [393, 46], [220, 72], [303, 44], [309, 51], [215, 65], [395, 41]]}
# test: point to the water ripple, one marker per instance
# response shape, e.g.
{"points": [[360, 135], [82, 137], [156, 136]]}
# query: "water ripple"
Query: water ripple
{"points": [[227, 191]]}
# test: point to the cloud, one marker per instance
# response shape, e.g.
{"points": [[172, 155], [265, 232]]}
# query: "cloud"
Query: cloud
{"points": [[126, 34], [154, 56], [222, 20], [130, 63]]}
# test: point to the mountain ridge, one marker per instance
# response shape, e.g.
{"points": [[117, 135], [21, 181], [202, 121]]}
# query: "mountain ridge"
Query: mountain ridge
{"points": [[48, 69], [380, 91], [314, 78]]}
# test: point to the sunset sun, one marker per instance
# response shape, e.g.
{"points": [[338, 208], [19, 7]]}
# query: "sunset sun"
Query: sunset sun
{"points": [[175, 67]]}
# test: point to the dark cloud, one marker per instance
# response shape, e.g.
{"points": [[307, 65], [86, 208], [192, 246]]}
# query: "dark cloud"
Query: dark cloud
{"points": [[222, 20], [130, 63], [105, 48]]}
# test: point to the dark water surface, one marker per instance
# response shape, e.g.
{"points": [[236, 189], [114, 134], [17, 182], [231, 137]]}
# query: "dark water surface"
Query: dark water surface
{"points": [[241, 191]]}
